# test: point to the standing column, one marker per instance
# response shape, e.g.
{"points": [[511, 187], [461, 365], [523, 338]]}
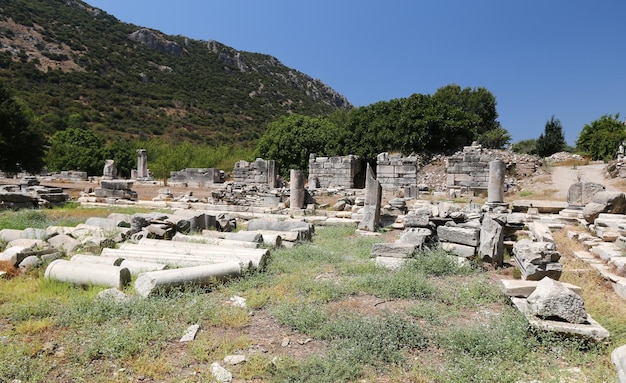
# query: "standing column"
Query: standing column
{"points": [[373, 196], [142, 164], [296, 186], [495, 191]]}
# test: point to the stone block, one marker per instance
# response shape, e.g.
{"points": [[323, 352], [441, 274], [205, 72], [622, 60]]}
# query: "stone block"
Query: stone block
{"points": [[459, 250], [464, 236], [395, 250]]}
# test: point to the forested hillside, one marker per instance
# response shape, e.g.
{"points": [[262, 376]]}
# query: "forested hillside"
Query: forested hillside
{"points": [[77, 66]]}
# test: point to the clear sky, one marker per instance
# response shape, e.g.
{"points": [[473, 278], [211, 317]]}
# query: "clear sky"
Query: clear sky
{"points": [[539, 58]]}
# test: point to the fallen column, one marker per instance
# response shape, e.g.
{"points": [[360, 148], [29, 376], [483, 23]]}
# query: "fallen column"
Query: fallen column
{"points": [[87, 258], [87, 274], [185, 259], [150, 282]]}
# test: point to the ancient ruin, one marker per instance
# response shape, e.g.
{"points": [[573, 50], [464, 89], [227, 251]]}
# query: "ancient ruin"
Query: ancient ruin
{"points": [[336, 172]]}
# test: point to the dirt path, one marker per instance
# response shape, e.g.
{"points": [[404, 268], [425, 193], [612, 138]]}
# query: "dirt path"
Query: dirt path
{"points": [[562, 177]]}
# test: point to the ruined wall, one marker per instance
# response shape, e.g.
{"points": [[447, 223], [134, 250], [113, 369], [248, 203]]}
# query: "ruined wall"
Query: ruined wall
{"points": [[394, 171], [259, 172], [196, 177], [344, 171], [469, 169]]}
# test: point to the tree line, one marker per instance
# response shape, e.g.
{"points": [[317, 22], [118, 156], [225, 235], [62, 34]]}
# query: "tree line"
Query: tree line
{"points": [[444, 122]]}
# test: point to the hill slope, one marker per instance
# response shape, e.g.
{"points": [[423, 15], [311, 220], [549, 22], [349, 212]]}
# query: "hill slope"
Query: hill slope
{"points": [[76, 65]]}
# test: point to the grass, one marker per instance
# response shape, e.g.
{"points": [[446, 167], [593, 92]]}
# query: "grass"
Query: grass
{"points": [[431, 320]]}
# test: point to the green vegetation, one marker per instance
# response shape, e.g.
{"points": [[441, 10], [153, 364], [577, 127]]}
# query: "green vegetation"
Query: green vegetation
{"points": [[444, 122], [350, 320], [79, 66], [551, 140], [21, 139], [601, 138]]}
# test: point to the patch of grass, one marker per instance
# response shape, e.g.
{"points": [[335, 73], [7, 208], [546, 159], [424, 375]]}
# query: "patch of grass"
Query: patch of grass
{"points": [[19, 361], [32, 326], [210, 346], [401, 284], [525, 193]]}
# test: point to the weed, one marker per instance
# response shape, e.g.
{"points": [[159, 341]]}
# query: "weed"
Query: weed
{"points": [[525, 193]]}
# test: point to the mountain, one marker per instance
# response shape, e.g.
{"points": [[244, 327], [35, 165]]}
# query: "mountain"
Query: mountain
{"points": [[75, 65]]}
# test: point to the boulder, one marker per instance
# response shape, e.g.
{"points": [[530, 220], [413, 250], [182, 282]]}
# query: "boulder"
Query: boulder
{"points": [[551, 299], [581, 193]]}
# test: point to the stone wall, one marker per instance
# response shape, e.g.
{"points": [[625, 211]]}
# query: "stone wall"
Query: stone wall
{"points": [[327, 172], [469, 169], [196, 177], [259, 172], [394, 171]]}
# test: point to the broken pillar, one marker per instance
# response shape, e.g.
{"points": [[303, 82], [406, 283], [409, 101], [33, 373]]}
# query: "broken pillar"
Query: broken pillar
{"points": [[142, 164], [87, 273], [491, 245], [373, 196], [495, 188], [296, 186], [150, 282]]}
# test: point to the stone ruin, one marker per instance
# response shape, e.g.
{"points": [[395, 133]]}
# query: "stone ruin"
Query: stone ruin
{"points": [[28, 194], [259, 172], [336, 172], [468, 170], [396, 172], [197, 177]]}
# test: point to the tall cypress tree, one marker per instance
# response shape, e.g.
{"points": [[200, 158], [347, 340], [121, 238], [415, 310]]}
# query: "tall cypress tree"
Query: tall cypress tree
{"points": [[551, 140]]}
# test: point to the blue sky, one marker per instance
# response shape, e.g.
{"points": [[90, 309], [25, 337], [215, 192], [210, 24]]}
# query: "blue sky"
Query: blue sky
{"points": [[539, 58]]}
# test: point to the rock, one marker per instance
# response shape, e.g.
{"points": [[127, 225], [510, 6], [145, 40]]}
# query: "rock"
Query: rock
{"points": [[492, 240], [581, 193], [29, 263], [552, 299], [220, 374], [190, 333], [234, 359], [395, 250], [614, 202], [156, 41], [464, 236], [592, 210], [113, 294], [416, 220], [540, 232]]}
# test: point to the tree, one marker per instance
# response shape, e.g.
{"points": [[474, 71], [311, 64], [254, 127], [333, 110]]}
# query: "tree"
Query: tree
{"points": [[76, 149], [496, 138], [478, 101], [601, 139], [291, 139], [22, 141], [525, 146], [551, 140], [124, 153]]}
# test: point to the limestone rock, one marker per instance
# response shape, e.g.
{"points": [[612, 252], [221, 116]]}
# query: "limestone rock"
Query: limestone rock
{"points": [[552, 299], [581, 193]]}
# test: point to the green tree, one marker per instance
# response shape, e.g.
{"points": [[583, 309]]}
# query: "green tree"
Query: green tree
{"points": [[291, 139], [478, 101], [497, 138], [124, 153], [551, 140], [525, 146], [22, 141], [601, 139], [76, 149]]}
